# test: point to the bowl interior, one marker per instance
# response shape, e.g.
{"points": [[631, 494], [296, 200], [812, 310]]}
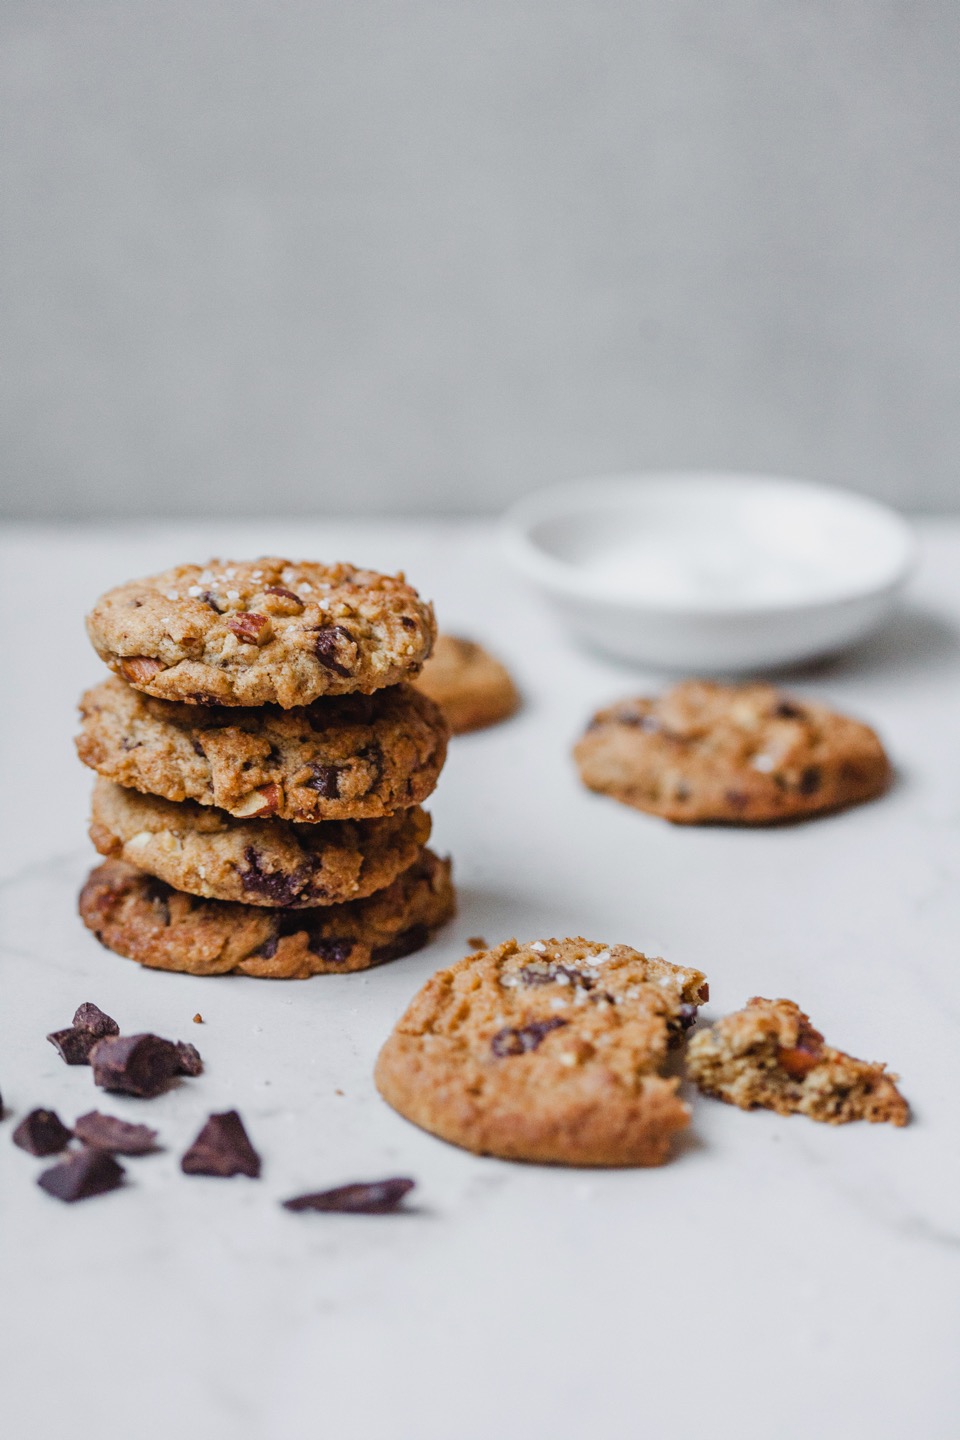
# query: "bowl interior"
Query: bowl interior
{"points": [[716, 542]]}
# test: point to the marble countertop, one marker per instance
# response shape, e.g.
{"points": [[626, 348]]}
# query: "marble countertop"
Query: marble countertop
{"points": [[777, 1278]]}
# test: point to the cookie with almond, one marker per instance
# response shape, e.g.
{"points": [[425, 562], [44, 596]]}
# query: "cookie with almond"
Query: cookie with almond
{"points": [[769, 1056], [344, 757], [162, 928], [259, 632], [731, 754], [255, 862], [553, 1051]]}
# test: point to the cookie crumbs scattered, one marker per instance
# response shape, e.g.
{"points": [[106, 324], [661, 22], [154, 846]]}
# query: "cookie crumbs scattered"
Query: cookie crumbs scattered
{"points": [[198, 1018], [476, 942]]}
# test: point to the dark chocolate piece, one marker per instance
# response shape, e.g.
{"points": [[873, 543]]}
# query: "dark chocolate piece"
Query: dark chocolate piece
{"points": [[75, 1042], [106, 1132], [134, 1064], [520, 1040], [222, 1148], [88, 1172], [188, 1059], [73, 1045], [90, 1017], [374, 1197], [42, 1132]]}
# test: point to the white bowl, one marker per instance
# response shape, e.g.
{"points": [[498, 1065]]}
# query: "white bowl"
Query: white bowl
{"points": [[711, 572]]}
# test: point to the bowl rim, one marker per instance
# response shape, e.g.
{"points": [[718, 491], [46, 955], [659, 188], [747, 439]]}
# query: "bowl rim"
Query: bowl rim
{"points": [[565, 578]]}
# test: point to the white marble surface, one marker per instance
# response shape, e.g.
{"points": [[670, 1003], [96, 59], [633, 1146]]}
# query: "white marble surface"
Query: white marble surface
{"points": [[778, 1278]]}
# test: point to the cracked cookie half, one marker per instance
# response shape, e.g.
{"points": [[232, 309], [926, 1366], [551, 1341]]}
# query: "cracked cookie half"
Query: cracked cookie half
{"points": [[551, 1051], [769, 1056]]}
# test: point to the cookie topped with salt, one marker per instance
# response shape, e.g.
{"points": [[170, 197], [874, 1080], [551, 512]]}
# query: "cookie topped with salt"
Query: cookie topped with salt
{"points": [[268, 631], [551, 1051]]}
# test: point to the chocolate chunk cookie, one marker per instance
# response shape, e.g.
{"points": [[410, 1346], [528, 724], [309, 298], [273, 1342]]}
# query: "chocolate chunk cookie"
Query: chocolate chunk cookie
{"points": [[472, 688], [261, 632], [346, 757], [551, 1051], [739, 754], [257, 862], [166, 929], [769, 1055]]}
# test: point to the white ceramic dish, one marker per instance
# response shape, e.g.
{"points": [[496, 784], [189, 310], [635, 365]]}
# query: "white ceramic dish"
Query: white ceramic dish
{"points": [[709, 571]]}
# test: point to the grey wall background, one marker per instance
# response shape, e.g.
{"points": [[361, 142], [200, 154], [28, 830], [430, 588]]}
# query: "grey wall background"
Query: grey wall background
{"points": [[428, 255]]}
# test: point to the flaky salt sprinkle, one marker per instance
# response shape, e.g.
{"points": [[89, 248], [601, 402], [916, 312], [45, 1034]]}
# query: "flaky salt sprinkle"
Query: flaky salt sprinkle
{"points": [[601, 957], [194, 591], [763, 763], [539, 946], [233, 594], [172, 595], [305, 587], [230, 573], [256, 574]]}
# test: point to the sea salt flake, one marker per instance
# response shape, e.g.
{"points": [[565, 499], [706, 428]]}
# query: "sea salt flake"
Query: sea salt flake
{"points": [[172, 595], [539, 946], [763, 763], [601, 957], [194, 591], [233, 594]]}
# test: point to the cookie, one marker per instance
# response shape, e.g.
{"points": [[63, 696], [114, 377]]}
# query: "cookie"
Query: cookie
{"points": [[550, 1052], [346, 757], [472, 688], [737, 754], [165, 929], [262, 632], [256, 862], [768, 1055]]}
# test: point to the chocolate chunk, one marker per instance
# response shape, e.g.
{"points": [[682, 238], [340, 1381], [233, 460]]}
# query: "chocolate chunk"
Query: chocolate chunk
{"points": [[91, 1017], [42, 1132], [704, 992], [334, 951], [73, 1045], [210, 599], [409, 940], [158, 893], [329, 644], [273, 884], [511, 1041], [140, 1065], [681, 1023], [326, 780], [198, 748], [810, 780], [786, 710], [375, 1197], [222, 1148], [542, 972], [188, 1059], [88, 1172], [105, 1132], [737, 800]]}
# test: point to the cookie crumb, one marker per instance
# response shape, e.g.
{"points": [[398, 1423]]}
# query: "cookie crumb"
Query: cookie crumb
{"points": [[476, 942], [198, 1018]]}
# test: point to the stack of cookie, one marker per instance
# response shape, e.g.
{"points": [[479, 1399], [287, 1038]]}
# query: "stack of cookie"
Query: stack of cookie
{"points": [[262, 759]]}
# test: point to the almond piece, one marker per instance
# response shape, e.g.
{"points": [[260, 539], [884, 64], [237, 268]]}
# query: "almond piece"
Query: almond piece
{"points": [[139, 669], [250, 628], [265, 801]]}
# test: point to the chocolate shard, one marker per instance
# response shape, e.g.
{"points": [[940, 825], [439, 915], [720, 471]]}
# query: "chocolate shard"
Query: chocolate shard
{"points": [[106, 1132], [222, 1148], [88, 1172], [42, 1132], [72, 1045], [90, 1017], [373, 1197], [75, 1041], [140, 1065], [188, 1059]]}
